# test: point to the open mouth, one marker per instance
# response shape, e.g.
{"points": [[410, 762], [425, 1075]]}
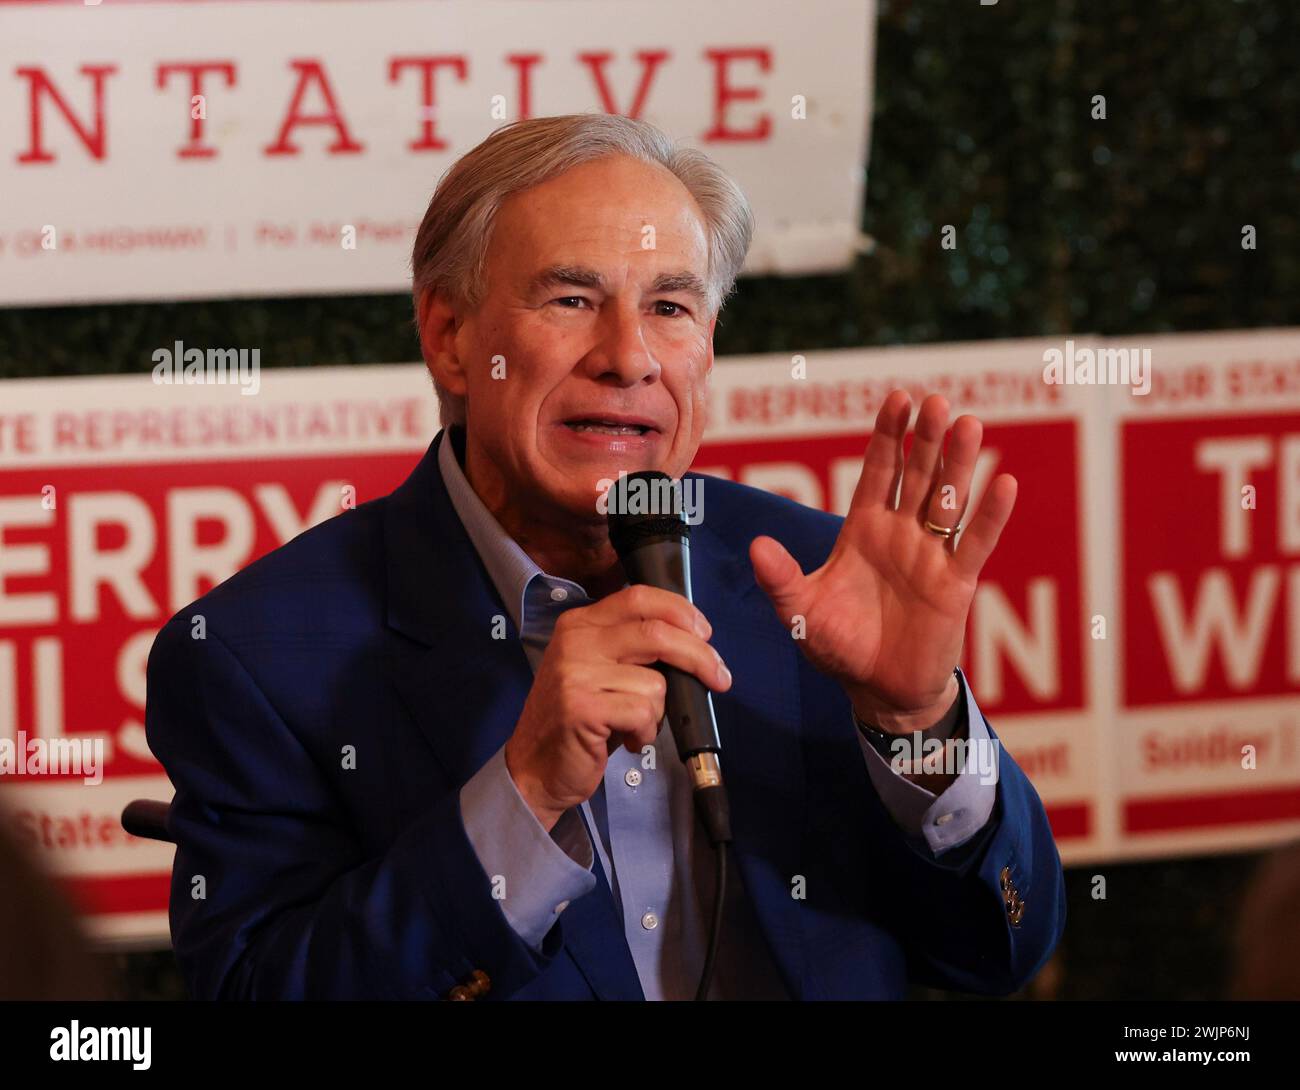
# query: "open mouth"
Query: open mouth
{"points": [[600, 426]]}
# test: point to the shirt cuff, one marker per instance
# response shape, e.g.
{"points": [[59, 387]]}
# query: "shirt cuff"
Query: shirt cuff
{"points": [[945, 821], [534, 874]]}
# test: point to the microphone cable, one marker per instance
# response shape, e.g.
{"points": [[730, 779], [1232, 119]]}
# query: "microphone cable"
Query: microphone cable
{"points": [[715, 929]]}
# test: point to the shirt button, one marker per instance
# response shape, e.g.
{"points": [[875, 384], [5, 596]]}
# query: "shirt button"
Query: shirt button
{"points": [[649, 921], [558, 594], [632, 777], [561, 907]]}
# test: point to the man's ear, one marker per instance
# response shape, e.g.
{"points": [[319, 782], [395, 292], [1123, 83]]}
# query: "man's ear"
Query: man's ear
{"points": [[438, 324], [708, 367]]}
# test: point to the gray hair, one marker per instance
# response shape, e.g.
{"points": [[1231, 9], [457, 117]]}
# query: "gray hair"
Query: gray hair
{"points": [[451, 245]]}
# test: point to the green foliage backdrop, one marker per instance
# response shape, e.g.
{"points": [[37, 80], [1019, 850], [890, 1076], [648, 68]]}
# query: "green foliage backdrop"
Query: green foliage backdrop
{"points": [[1065, 224]]}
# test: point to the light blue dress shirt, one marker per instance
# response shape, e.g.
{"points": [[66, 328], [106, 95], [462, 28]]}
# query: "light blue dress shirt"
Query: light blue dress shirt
{"points": [[657, 861]]}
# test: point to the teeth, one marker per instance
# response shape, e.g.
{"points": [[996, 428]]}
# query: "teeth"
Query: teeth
{"points": [[609, 429]]}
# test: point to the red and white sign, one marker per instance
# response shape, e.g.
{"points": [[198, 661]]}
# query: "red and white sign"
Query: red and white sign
{"points": [[1135, 640], [120, 501], [1209, 664], [190, 150]]}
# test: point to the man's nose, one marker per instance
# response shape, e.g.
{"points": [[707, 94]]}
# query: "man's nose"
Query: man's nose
{"points": [[621, 353]]}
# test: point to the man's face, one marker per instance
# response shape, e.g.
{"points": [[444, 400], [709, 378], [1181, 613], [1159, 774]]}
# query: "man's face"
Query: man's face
{"points": [[595, 316]]}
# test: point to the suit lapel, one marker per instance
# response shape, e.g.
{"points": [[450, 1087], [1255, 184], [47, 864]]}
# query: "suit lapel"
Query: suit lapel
{"points": [[593, 935], [463, 687]]}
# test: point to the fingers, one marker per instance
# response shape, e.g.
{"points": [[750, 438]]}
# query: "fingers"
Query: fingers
{"points": [[635, 627], [643, 684], [633, 720], [641, 602], [778, 574], [883, 462], [924, 458], [627, 702], [951, 491], [654, 640], [932, 483], [980, 537], [637, 680]]}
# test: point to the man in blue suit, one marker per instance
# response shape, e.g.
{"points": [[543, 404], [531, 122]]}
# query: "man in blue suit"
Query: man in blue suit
{"points": [[420, 751]]}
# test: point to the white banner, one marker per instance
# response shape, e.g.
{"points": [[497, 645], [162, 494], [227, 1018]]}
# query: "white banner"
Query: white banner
{"points": [[185, 150]]}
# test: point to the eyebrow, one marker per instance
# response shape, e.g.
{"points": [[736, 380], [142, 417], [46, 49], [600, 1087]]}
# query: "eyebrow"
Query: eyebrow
{"points": [[580, 276]]}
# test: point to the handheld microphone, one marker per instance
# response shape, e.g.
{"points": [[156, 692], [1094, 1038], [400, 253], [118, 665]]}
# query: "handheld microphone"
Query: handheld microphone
{"points": [[652, 539]]}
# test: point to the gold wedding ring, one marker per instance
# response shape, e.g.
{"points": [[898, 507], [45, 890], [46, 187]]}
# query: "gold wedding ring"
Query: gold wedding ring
{"points": [[942, 531]]}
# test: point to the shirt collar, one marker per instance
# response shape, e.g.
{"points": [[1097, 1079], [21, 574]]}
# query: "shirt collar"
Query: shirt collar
{"points": [[510, 568]]}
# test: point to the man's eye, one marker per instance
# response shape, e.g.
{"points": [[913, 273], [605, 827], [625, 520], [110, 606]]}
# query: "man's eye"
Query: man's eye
{"points": [[565, 300], [678, 309]]}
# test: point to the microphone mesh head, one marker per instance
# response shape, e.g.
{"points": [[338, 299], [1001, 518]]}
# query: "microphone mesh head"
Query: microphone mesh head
{"points": [[644, 507]]}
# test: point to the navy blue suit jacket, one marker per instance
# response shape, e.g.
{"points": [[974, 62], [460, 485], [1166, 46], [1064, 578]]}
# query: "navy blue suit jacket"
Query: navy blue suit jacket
{"points": [[347, 684]]}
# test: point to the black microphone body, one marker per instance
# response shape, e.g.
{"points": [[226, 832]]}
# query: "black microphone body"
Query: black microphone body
{"points": [[654, 548]]}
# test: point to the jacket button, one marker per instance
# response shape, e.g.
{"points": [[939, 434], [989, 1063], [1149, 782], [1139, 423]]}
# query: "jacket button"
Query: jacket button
{"points": [[475, 987]]}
